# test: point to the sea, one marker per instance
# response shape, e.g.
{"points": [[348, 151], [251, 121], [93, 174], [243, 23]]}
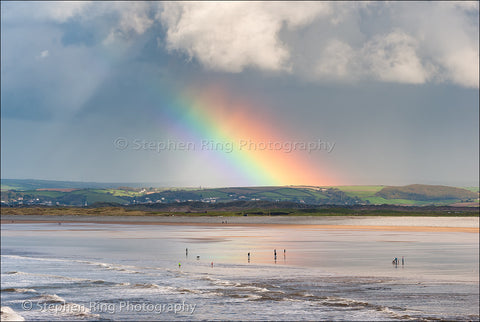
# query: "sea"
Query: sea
{"points": [[110, 272]]}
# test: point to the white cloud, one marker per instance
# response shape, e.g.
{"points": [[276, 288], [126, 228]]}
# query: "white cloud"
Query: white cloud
{"points": [[466, 5], [462, 67], [62, 11], [393, 58], [133, 20], [58, 11], [125, 19], [336, 61], [450, 41], [231, 36], [401, 46], [44, 54], [341, 41], [390, 42]]}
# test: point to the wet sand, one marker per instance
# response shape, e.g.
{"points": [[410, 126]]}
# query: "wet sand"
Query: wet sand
{"points": [[397, 223]]}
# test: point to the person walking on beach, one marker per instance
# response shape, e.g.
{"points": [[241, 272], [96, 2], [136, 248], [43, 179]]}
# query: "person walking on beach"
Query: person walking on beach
{"points": [[186, 251], [403, 261], [249, 257], [179, 265], [395, 261]]}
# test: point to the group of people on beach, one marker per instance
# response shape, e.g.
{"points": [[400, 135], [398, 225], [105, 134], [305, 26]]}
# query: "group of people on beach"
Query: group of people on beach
{"points": [[186, 255], [275, 254], [248, 256], [396, 261]]}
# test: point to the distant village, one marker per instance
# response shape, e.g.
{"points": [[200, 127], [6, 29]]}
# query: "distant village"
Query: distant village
{"points": [[18, 193], [88, 197]]}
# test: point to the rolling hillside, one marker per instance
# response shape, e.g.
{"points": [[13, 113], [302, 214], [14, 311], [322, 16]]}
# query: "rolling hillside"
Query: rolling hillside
{"points": [[421, 192], [51, 193]]}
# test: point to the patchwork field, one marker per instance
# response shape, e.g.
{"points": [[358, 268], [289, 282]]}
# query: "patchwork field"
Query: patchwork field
{"points": [[20, 192]]}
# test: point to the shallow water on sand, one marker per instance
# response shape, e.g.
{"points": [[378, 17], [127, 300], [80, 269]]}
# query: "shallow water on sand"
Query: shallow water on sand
{"points": [[131, 272]]}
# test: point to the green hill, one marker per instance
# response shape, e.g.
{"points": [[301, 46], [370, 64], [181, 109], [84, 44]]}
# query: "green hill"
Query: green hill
{"points": [[44, 192], [420, 192], [33, 184]]}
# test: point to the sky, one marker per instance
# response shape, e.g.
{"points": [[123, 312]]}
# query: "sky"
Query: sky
{"points": [[214, 94]]}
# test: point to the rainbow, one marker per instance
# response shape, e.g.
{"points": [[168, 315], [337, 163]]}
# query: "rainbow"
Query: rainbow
{"points": [[257, 155]]}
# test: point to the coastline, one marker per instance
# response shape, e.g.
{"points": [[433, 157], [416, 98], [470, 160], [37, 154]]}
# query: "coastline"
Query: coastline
{"points": [[393, 223]]}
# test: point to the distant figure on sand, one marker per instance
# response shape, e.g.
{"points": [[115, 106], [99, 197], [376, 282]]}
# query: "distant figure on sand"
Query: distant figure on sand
{"points": [[186, 251], [403, 261], [249, 257], [179, 265], [395, 261], [212, 264]]}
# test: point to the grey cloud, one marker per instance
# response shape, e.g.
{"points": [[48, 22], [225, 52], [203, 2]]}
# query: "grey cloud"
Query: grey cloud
{"points": [[398, 43], [391, 58], [411, 43], [231, 36]]}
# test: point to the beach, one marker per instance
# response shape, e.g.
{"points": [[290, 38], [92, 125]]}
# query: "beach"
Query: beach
{"points": [[310, 268], [399, 223]]}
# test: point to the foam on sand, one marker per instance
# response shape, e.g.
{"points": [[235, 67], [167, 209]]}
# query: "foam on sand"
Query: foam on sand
{"points": [[49, 298], [7, 314], [19, 290]]}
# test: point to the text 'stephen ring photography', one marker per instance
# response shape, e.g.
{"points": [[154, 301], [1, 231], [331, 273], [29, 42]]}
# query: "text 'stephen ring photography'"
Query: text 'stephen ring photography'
{"points": [[239, 160], [226, 146]]}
